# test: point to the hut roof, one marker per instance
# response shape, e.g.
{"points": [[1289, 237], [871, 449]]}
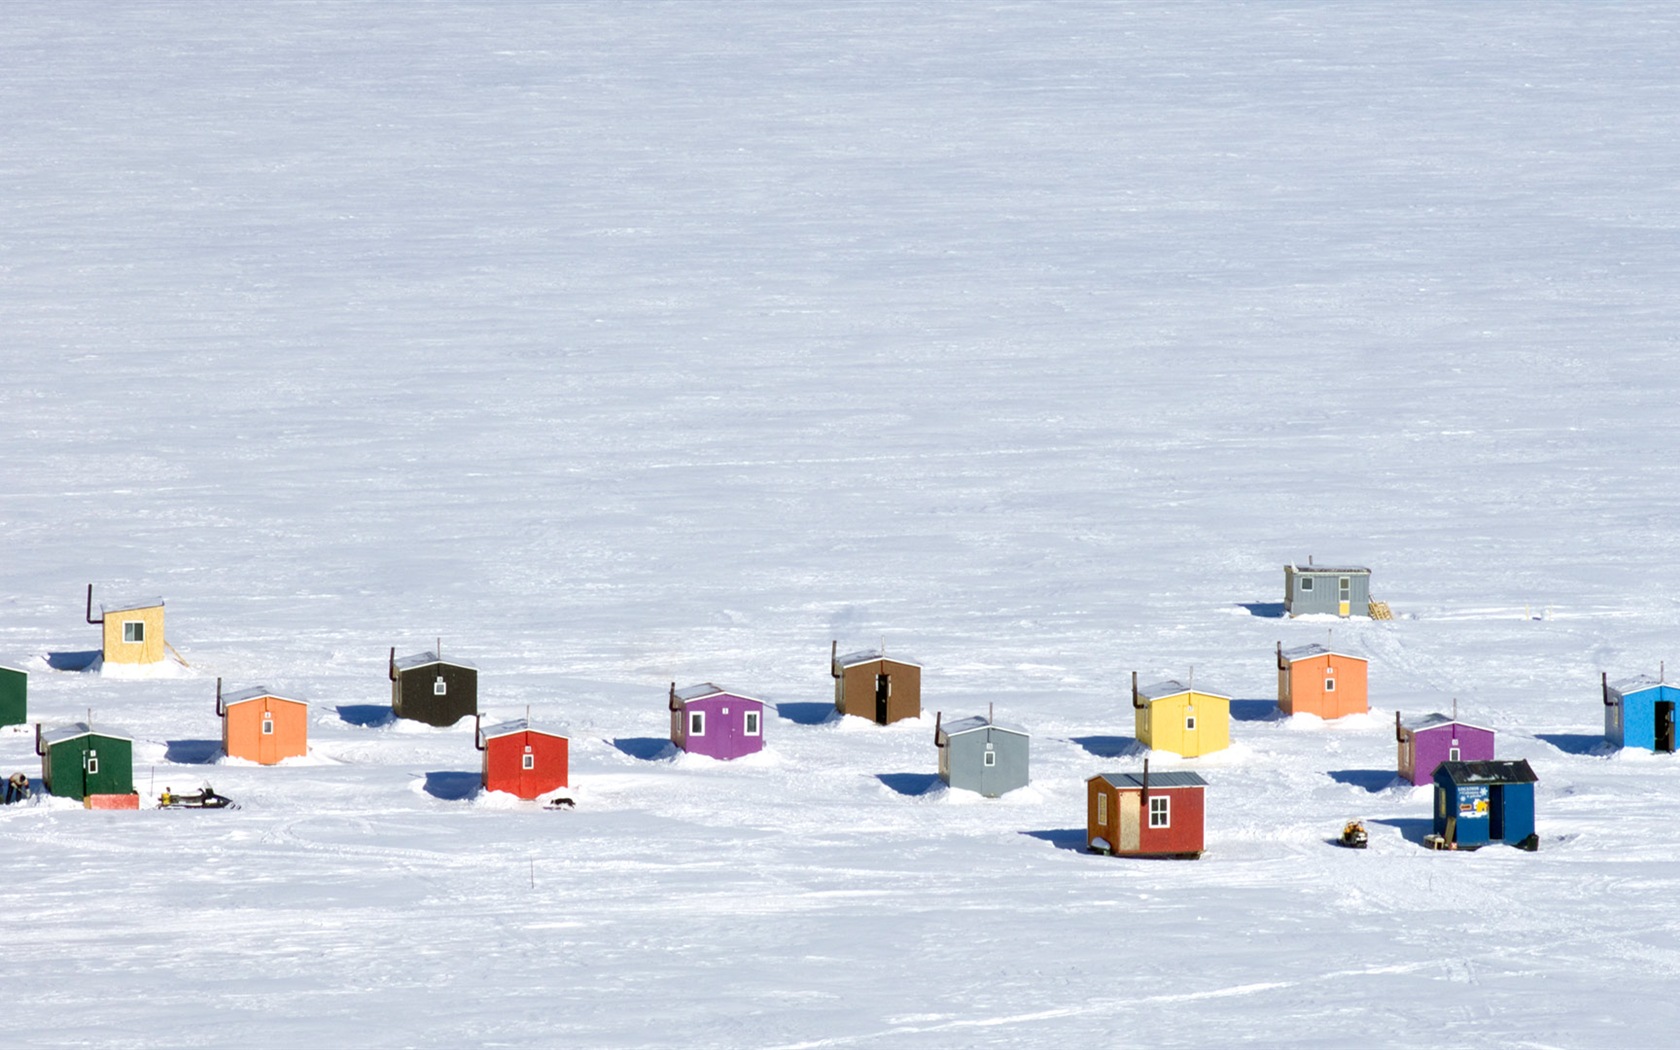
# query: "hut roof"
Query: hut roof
{"points": [[427, 658], [705, 689], [1173, 687], [969, 725], [864, 656], [1498, 771], [256, 693], [1172, 779], [13, 667], [78, 729], [1307, 652], [1436, 720], [1332, 570], [1637, 684], [130, 606], [517, 725]]}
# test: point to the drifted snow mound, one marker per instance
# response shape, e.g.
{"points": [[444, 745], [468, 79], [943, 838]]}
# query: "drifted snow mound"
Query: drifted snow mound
{"points": [[129, 672]]}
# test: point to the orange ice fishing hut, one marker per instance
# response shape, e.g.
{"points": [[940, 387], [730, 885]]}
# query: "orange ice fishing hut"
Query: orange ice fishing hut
{"points": [[261, 726]]}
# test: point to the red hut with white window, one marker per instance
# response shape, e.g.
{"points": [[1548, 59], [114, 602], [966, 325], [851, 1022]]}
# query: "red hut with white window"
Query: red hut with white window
{"points": [[523, 761], [1145, 815]]}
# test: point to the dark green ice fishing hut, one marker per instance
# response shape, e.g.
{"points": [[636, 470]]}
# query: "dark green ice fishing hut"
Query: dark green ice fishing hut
{"points": [[77, 762]]}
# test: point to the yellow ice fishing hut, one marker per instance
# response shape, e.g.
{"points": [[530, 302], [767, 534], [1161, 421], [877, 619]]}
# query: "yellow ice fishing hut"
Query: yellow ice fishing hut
{"points": [[133, 630], [1172, 716]]}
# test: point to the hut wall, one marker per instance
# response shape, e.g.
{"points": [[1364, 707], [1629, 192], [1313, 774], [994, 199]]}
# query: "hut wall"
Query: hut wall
{"points": [[855, 691], [147, 651], [504, 763], [14, 696], [1324, 596], [725, 725], [64, 767], [1304, 691], [1161, 724], [1432, 746], [414, 695], [243, 736], [965, 761]]}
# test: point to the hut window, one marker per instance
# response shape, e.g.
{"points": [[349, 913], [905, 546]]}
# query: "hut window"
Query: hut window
{"points": [[92, 763], [134, 630], [1102, 807], [1160, 811], [1189, 722], [440, 687], [1342, 588], [528, 761], [991, 758], [1329, 683], [1452, 755], [1306, 583], [752, 723], [268, 727], [697, 723]]}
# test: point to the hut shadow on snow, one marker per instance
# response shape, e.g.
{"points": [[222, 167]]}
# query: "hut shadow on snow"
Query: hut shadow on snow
{"points": [[909, 783], [1372, 780], [808, 714], [1110, 746], [1412, 829], [366, 715], [1061, 838], [76, 661], [1265, 610], [453, 786], [646, 748], [192, 752], [1574, 743], [1255, 711]]}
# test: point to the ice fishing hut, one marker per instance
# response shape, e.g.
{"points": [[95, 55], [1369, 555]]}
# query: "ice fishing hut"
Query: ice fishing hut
{"points": [[1145, 814], [871, 685], [132, 631], [77, 762], [708, 720], [1336, 590], [980, 754], [261, 726], [14, 695], [522, 760], [1639, 712], [1481, 802], [1424, 743], [1317, 680], [427, 688], [1172, 716]]}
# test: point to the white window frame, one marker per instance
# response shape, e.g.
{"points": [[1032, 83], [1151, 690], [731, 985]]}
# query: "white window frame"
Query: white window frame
{"points": [[1306, 583], [267, 724], [440, 687], [697, 723], [527, 761], [1453, 753], [1329, 683], [134, 632], [90, 763], [1163, 811], [752, 723], [1190, 722], [991, 757]]}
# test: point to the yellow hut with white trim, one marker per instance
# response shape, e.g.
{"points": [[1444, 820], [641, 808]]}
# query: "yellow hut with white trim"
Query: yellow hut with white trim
{"points": [[1171, 716], [133, 630]]}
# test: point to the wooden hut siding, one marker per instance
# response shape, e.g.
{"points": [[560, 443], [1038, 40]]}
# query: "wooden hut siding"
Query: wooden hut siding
{"points": [[523, 761], [707, 720], [1328, 590], [259, 726], [1315, 680], [1640, 712], [14, 696], [77, 762], [1477, 803], [1125, 820], [978, 754], [426, 688], [1427, 742], [871, 685], [1170, 716], [132, 632]]}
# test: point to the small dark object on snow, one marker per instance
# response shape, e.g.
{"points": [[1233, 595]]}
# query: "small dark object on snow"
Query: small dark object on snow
{"points": [[205, 799], [560, 803], [1354, 836]]}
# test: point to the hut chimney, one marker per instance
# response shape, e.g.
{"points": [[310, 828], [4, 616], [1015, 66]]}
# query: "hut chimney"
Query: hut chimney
{"points": [[38, 750], [834, 658], [1309, 560], [89, 612], [990, 708], [671, 704], [1281, 665], [1604, 684], [1135, 699], [1399, 734], [1455, 709], [220, 710], [1145, 795], [937, 716], [478, 728], [393, 665]]}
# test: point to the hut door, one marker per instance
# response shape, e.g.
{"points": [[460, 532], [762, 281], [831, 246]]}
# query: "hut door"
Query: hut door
{"points": [[1665, 725], [1130, 806], [1343, 592], [1496, 813], [883, 690]]}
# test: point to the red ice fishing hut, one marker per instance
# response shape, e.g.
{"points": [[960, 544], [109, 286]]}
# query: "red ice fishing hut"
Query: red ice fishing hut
{"points": [[523, 761]]}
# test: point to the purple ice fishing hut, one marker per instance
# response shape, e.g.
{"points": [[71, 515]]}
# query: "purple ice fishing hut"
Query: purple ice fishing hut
{"points": [[1428, 741], [707, 720]]}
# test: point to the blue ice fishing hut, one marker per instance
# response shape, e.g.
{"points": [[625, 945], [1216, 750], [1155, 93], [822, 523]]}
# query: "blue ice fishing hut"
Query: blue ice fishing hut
{"points": [[1481, 802], [1639, 712]]}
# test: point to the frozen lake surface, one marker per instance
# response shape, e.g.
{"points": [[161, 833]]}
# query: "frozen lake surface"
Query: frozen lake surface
{"points": [[618, 344]]}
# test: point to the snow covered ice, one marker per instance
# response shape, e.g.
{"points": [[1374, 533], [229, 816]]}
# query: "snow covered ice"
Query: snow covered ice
{"points": [[619, 345]]}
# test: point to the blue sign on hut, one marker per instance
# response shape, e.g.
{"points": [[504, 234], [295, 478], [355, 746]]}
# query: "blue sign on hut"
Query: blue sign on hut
{"points": [[1639, 712], [980, 754], [1481, 802]]}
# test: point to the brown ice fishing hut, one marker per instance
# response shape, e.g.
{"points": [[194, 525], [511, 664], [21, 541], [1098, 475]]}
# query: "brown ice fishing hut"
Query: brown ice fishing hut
{"points": [[872, 685]]}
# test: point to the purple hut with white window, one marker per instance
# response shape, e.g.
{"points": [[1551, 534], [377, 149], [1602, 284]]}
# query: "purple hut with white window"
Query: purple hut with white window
{"points": [[1428, 741], [707, 720]]}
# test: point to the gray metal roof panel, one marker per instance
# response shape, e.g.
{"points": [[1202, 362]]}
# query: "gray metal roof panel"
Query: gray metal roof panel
{"points": [[969, 725], [705, 689], [1165, 779], [130, 606], [1332, 570], [517, 725], [1173, 687], [79, 729], [1496, 771], [240, 697], [864, 656], [1312, 649], [428, 658], [1436, 720]]}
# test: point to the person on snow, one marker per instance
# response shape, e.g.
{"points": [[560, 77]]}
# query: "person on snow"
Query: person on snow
{"points": [[17, 788]]}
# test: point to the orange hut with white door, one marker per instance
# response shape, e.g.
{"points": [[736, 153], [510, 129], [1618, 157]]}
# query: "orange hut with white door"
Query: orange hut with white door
{"points": [[261, 726]]}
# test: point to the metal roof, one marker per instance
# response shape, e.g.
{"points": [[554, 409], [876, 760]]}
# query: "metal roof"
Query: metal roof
{"points": [[78, 729], [1497, 771], [1161, 779], [969, 725], [863, 656], [130, 606], [1173, 687], [427, 658], [1436, 720], [1307, 652], [705, 689], [518, 725], [1637, 684], [229, 699], [1332, 570]]}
